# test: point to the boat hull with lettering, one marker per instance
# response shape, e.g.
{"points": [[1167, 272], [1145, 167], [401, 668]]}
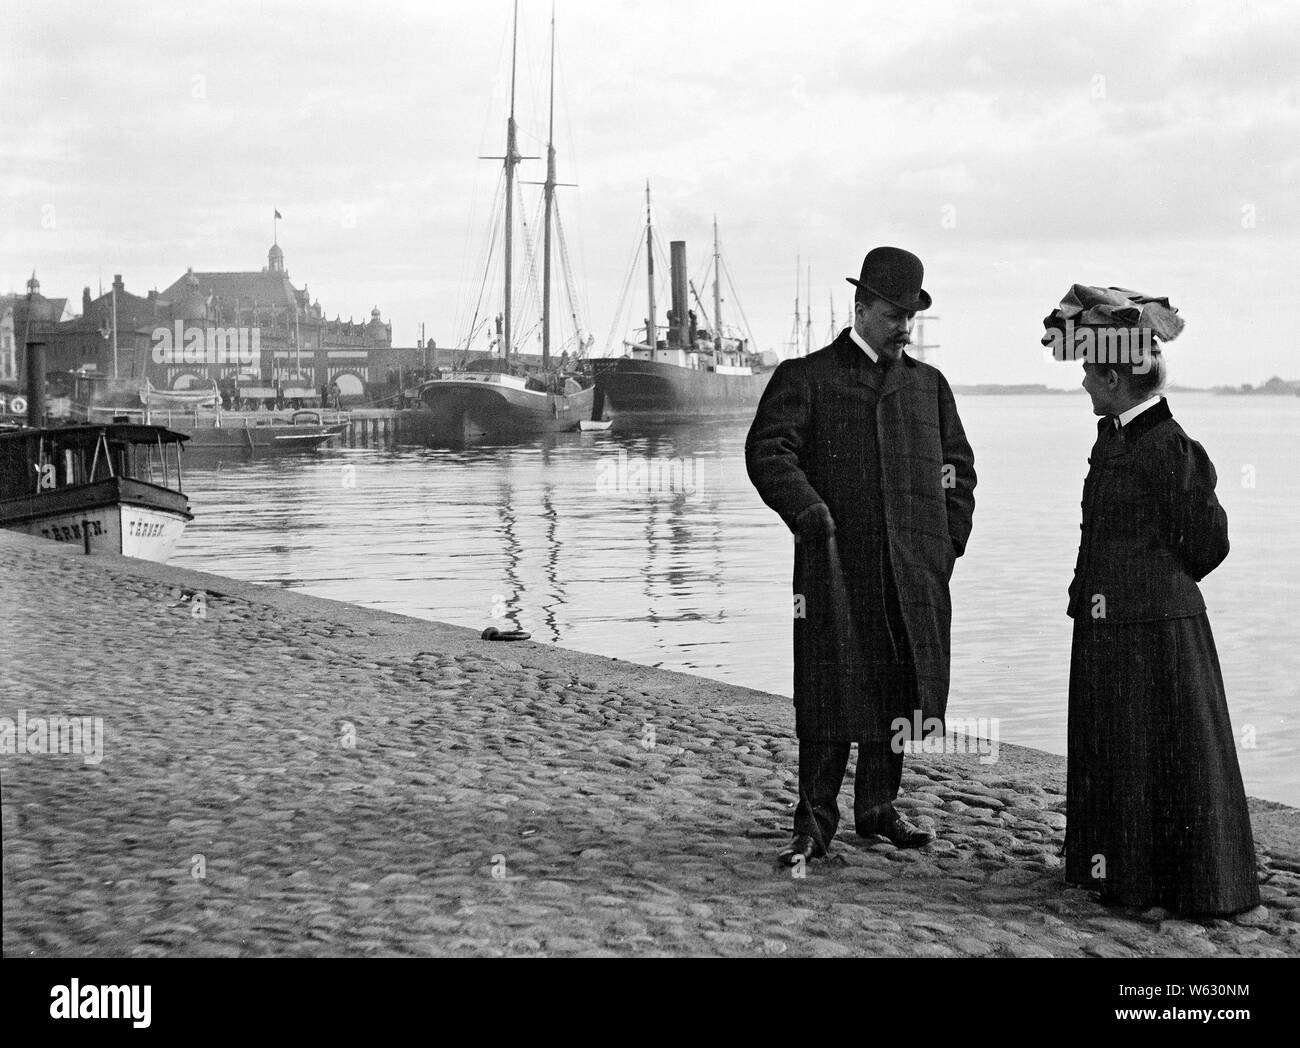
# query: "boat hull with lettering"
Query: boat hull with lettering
{"points": [[95, 486], [117, 516]]}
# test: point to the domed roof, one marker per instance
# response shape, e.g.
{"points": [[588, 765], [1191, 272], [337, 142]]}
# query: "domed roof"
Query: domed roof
{"points": [[275, 252], [192, 305], [376, 327]]}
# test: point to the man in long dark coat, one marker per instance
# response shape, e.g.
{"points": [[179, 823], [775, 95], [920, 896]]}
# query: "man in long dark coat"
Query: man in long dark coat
{"points": [[859, 449]]}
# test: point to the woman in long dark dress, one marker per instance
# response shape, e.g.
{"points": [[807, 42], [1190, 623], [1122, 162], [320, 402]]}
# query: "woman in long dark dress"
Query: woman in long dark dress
{"points": [[1155, 807]]}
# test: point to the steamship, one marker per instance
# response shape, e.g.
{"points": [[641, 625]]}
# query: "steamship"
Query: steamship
{"points": [[689, 373]]}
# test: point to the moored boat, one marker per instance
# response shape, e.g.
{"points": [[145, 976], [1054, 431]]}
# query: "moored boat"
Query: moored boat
{"points": [[504, 401], [661, 391], [112, 488], [254, 432], [246, 432], [690, 373], [197, 414], [471, 406]]}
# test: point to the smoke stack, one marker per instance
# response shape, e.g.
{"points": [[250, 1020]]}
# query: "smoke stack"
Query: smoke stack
{"points": [[85, 301], [36, 383], [681, 305]]}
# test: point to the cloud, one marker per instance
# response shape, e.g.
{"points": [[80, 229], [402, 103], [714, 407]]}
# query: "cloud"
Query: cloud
{"points": [[1016, 147]]}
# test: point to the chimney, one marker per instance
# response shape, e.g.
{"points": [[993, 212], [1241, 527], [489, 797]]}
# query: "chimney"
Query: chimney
{"points": [[681, 305], [85, 301], [117, 283], [35, 384]]}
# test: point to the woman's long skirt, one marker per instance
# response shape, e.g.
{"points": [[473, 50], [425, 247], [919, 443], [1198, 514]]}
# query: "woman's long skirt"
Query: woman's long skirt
{"points": [[1155, 808]]}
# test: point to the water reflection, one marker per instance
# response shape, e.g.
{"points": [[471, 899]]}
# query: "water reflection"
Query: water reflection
{"points": [[567, 538]]}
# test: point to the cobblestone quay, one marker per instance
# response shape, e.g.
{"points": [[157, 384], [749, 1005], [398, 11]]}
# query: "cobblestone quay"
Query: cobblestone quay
{"points": [[282, 775]]}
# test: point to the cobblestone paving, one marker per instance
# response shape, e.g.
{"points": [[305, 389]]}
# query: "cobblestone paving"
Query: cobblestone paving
{"points": [[269, 787]]}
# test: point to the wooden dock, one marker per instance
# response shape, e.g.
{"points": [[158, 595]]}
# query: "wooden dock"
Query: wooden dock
{"points": [[385, 427]]}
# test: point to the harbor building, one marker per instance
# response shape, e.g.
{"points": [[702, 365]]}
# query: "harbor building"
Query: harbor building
{"points": [[253, 333]]}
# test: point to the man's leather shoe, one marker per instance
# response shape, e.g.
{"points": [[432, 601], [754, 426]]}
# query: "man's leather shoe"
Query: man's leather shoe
{"points": [[899, 831], [801, 846]]}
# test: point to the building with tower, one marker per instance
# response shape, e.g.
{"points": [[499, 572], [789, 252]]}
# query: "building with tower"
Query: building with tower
{"points": [[24, 317], [252, 332]]}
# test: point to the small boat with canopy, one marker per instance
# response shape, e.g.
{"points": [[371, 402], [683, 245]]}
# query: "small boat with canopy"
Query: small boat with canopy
{"points": [[111, 488]]}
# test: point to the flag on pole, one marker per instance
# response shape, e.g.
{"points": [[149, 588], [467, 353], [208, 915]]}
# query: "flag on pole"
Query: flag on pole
{"points": [[278, 215]]}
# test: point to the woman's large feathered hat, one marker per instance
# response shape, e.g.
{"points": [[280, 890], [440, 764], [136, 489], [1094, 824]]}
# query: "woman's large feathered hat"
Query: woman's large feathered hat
{"points": [[1109, 308]]}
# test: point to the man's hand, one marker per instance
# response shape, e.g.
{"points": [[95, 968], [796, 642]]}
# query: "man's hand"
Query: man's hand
{"points": [[815, 523]]}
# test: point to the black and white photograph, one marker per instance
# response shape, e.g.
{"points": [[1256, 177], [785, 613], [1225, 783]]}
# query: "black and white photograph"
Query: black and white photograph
{"points": [[494, 479]]}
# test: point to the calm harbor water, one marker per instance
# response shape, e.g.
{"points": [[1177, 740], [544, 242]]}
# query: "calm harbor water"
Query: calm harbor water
{"points": [[652, 546]]}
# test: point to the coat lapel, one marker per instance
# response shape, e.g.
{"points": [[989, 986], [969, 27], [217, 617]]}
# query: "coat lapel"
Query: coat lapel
{"points": [[860, 370], [855, 367], [898, 375], [1110, 444]]}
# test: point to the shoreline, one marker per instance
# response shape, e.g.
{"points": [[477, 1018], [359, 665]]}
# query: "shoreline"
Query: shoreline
{"points": [[496, 798]]}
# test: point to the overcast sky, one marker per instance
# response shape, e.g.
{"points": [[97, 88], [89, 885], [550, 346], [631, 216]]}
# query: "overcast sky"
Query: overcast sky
{"points": [[1017, 148]]}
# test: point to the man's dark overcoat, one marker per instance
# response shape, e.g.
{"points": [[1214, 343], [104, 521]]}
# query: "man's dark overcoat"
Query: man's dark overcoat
{"points": [[883, 448]]}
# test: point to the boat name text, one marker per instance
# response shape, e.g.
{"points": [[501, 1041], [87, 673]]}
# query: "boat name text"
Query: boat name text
{"points": [[70, 532]]}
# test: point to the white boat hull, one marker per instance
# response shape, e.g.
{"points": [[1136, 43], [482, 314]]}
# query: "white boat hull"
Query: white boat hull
{"points": [[132, 531], [121, 514]]}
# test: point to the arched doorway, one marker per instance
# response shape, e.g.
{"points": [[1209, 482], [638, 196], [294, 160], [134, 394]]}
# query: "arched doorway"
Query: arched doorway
{"points": [[350, 386]]}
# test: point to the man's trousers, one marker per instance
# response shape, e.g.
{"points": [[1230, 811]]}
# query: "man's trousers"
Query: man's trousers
{"points": [[875, 782]]}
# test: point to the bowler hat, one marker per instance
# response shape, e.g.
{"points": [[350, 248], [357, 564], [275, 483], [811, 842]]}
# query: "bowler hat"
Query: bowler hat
{"points": [[894, 275]]}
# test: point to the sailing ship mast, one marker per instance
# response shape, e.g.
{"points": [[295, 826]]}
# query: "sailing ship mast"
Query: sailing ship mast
{"points": [[650, 258], [796, 335], [512, 158], [920, 347], [717, 295], [807, 344], [550, 203]]}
